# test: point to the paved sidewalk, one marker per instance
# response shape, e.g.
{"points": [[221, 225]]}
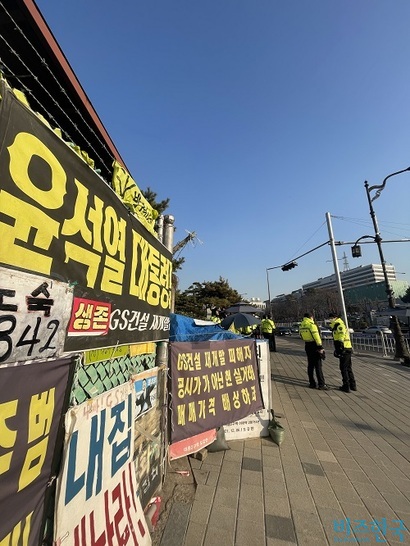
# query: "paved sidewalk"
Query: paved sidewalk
{"points": [[344, 457]]}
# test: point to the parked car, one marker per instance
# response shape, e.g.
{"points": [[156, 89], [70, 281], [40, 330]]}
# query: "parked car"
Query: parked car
{"points": [[326, 333], [283, 331], [377, 330]]}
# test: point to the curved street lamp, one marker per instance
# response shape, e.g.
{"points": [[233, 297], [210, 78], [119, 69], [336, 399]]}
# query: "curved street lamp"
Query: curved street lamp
{"points": [[356, 250], [401, 348]]}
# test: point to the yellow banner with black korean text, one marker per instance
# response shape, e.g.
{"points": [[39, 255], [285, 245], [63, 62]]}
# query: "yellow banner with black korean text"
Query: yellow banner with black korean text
{"points": [[61, 221], [132, 196]]}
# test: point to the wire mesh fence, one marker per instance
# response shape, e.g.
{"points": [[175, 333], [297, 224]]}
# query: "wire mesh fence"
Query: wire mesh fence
{"points": [[93, 379]]}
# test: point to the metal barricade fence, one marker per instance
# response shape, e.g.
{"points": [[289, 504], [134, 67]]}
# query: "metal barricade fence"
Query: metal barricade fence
{"points": [[380, 343]]}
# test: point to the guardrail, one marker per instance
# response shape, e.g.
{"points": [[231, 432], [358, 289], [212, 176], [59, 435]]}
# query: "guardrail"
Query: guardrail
{"points": [[377, 343]]}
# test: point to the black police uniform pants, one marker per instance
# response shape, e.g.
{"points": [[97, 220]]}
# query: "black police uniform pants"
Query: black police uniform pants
{"points": [[272, 340], [345, 364], [314, 365]]}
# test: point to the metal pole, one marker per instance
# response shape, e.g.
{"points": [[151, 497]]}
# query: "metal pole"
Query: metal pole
{"points": [[400, 345], [336, 267], [160, 228], [269, 303], [378, 239], [167, 232]]}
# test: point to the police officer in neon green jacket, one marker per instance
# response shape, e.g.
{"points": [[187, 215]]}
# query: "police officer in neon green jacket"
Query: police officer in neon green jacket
{"points": [[343, 351], [268, 328], [309, 332]]}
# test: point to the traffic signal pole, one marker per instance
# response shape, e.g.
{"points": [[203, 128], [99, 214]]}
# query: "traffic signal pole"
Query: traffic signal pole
{"points": [[336, 267]]}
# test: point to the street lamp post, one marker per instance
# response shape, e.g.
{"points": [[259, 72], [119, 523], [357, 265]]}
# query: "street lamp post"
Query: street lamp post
{"points": [[269, 300], [401, 348]]}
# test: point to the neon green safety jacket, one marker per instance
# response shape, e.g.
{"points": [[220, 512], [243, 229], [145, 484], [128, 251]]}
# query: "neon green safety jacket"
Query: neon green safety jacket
{"points": [[267, 326], [340, 332], [309, 331]]}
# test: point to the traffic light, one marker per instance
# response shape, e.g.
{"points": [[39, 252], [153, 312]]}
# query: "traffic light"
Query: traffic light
{"points": [[288, 266], [356, 251]]}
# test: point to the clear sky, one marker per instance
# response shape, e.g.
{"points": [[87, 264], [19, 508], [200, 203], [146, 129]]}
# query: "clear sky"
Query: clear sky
{"points": [[255, 117]]}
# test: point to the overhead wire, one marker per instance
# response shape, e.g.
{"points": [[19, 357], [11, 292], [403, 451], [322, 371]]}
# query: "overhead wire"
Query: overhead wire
{"points": [[311, 237], [301, 255], [384, 224]]}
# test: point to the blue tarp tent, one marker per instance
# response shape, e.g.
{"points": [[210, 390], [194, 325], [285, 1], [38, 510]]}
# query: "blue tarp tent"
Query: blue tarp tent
{"points": [[188, 329]]}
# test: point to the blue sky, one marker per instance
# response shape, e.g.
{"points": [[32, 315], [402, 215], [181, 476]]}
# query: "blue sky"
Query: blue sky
{"points": [[255, 117]]}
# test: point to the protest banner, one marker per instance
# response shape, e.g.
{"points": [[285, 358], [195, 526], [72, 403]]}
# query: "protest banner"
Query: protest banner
{"points": [[145, 385], [133, 197], [34, 313], [96, 491], [32, 400], [212, 383], [256, 424], [186, 447], [59, 219], [148, 435]]}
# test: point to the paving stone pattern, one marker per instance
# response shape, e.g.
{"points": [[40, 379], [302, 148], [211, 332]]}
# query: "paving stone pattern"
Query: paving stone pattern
{"points": [[343, 456]]}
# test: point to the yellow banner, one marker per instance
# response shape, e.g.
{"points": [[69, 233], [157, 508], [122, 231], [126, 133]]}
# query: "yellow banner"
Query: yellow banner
{"points": [[142, 349], [132, 196], [99, 355]]}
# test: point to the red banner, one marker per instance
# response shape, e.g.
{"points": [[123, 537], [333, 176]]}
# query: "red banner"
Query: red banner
{"points": [[191, 445]]}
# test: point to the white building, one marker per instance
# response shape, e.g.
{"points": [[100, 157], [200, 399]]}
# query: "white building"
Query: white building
{"points": [[256, 302], [363, 282], [353, 278]]}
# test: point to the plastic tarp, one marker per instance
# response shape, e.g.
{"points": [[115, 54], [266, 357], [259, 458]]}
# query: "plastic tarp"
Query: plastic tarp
{"points": [[189, 329]]}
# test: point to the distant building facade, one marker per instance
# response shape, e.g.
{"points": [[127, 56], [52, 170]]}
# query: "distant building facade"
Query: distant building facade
{"points": [[365, 282], [256, 302], [364, 275], [375, 292]]}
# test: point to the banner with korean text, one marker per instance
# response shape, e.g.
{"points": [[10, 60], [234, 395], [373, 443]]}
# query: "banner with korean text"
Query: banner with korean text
{"points": [[191, 445], [96, 492], [34, 313], [31, 408], [60, 220], [212, 383], [133, 197], [256, 425]]}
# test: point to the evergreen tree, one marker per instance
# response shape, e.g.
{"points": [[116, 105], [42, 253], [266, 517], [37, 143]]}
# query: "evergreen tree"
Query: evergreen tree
{"points": [[151, 197], [406, 297], [199, 297]]}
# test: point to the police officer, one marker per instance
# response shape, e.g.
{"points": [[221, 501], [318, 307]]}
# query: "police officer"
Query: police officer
{"points": [[216, 317], [343, 351], [246, 330], [268, 331], [309, 332]]}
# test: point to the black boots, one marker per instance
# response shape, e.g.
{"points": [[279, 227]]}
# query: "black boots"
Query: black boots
{"points": [[345, 388]]}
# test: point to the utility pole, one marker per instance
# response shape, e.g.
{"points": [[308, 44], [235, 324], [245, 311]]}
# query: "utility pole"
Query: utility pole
{"points": [[401, 348], [336, 267], [378, 241]]}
